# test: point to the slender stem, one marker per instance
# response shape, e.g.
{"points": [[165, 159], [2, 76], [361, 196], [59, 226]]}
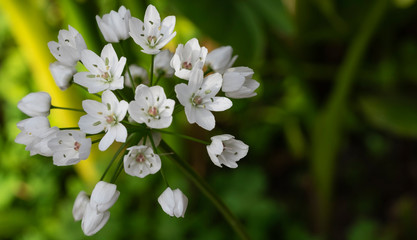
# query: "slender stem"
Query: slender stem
{"points": [[183, 136], [156, 152], [69, 128], [208, 191], [96, 141], [157, 79], [85, 89], [113, 158], [120, 163], [152, 66], [132, 81], [67, 108]]}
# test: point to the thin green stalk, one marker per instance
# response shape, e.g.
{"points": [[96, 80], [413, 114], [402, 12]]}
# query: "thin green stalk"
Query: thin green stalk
{"points": [[206, 189], [156, 152], [152, 66], [67, 108], [96, 141], [85, 89], [113, 158], [132, 81], [69, 128], [119, 167], [183, 136], [157, 79]]}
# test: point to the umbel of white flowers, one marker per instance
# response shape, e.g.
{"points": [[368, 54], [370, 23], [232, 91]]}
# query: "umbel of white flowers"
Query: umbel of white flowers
{"points": [[118, 118]]}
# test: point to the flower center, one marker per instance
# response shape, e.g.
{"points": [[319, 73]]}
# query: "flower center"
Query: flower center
{"points": [[197, 100], [187, 65], [77, 146], [153, 111], [151, 40], [109, 119], [105, 76], [140, 158]]}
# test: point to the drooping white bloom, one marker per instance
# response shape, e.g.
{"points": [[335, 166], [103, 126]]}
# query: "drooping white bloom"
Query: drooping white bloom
{"points": [[141, 161], [32, 132], [70, 147], [220, 59], [152, 34], [139, 75], [93, 220], [80, 204], [162, 67], [106, 116], [199, 98], [41, 145], [238, 83], [187, 58], [104, 72], [173, 202], [35, 104], [62, 74], [225, 149], [115, 25], [69, 46], [104, 196], [152, 107]]}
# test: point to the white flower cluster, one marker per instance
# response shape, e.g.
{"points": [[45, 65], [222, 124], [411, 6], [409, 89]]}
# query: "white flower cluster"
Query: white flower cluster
{"points": [[209, 83]]}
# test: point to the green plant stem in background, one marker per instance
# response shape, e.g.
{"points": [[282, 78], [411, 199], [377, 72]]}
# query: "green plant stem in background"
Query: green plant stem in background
{"points": [[66, 108], [184, 136], [151, 73], [327, 130], [206, 189]]}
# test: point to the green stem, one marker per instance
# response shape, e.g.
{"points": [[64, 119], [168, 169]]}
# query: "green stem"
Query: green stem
{"points": [[206, 189], [85, 89], [152, 66], [113, 158], [69, 128], [67, 108], [184, 136], [119, 167], [157, 79], [96, 141], [156, 152], [132, 81]]}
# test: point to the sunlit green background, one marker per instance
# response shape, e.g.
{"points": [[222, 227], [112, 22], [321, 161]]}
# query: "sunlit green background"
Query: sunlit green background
{"points": [[332, 132]]}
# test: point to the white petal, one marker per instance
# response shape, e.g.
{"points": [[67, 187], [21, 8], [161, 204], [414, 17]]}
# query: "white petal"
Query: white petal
{"points": [[205, 119], [107, 139], [219, 104]]}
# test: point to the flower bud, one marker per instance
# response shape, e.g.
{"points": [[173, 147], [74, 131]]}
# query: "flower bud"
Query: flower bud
{"points": [[104, 196], [35, 104], [115, 25], [173, 202], [80, 205], [93, 220]]}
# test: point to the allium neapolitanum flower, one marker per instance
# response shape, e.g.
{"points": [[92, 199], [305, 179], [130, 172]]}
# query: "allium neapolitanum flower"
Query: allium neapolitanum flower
{"points": [[115, 25], [104, 72], [151, 107], [35, 104], [152, 34], [150, 112], [141, 161], [188, 57], [225, 149], [173, 202], [199, 98], [105, 116]]}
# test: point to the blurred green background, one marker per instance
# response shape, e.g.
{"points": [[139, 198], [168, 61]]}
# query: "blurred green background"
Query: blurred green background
{"points": [[332, 132]]}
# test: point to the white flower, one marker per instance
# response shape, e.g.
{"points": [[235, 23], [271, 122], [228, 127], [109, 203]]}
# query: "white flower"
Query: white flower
{"points": [[151, 107], [220, 59], [70, 147], [115, 25], [104, 72], [69, 46], [173, 202], [151, 34], [238, 83], [139, 74], [80, 204], [106, 116], [199, 98], [93, 221], [225, 149], [35, 104], [41, 145], [187, 58], [162, 67], [32, 132], [104, 196], [141, 161], [62, 74]]}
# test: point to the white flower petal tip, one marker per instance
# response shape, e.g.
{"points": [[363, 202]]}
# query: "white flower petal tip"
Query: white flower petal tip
{"points": [[226, 150], [220, 59], [105, 116], [93, 220], [141, 161], [68, 48], [70, 147], [35, 104], [188, 57], [104, 72], [173, 202], [199, 98], [80, 204], [104, 196], [115, 25], [238, 83], [152, 34], [62, 74], [151, 107]]}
